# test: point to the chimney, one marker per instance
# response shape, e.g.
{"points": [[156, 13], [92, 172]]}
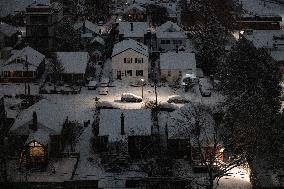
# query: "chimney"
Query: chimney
{"points": [[122, 131], [84, 26], [131, 26], [33, 126]]}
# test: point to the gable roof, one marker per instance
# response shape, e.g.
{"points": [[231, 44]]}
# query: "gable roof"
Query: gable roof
{"points": [[99, 40], [7, 29], [266, 38], [74, 62], [34, 58], [130, 44], [177, 61], [170, 30], [137, 122], [89, 25], [50, 116], [181, 125], [139, 29]]}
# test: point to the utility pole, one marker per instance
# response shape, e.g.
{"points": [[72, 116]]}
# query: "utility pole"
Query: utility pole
{"points": [[27, 85]]}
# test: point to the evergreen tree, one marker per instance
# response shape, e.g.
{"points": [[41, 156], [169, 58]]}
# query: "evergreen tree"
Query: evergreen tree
{"points": [[66, 37], [158, 14], [250, 81]]}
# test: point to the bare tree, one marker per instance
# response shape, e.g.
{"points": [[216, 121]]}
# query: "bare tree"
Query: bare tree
{"points": [[56, 69], [201, 124]]}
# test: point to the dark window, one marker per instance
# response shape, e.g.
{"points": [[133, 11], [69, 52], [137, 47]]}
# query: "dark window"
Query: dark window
{"points": [[139, 72], [129, 73], [163, 41]]}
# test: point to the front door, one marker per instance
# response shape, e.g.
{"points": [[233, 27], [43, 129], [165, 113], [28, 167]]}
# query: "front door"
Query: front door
{"points": [[118, 74]]}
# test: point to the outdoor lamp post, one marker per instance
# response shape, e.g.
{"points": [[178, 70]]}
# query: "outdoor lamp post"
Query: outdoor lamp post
{"points": [[142, 84]]}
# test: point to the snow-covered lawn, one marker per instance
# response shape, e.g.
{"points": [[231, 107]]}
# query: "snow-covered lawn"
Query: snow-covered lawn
{"points": [[238, 179], [57, 171]]}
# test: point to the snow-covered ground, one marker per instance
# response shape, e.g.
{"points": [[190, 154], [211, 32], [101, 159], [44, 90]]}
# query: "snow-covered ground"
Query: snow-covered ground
{"points": [[57, 171], [238, 177]]}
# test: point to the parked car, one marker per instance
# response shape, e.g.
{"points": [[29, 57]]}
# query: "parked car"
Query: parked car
{"points": [[103, 91], [129, 97], [104, 82], [177, 99], [165, 106], [188, 81], [205, 87], [106, 105], [92, 85]]}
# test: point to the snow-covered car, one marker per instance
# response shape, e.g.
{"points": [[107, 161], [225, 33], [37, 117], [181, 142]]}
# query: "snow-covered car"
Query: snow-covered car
{"points": [[129, 97], [104, 82], [177, 99], [106, 105], [165, 106], [205, 87], [92, 85], [103, 91], [101, 23]]}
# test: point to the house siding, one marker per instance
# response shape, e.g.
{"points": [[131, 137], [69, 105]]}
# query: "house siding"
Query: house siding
{"points": [[119, 65], [171, 46]]}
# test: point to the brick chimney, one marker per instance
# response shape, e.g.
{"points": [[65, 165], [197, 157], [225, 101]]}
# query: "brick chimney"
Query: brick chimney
{"points": [[122, 129], [33, 125], [131, 26]]}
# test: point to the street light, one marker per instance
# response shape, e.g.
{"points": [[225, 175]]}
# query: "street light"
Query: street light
{"points": [[142, 84]]}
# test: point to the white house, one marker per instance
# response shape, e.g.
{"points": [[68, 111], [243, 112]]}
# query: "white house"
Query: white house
{"points": [[26, 63], [133, 30], [130, 61], [74, 65], [175, 65], [170, 36]]}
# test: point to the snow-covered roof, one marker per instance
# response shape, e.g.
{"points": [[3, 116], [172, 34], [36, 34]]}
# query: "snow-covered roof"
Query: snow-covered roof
{"points": [[41, 135], [99, 40], [259, 7], [50, 116], [74, 62], [13, 6], [177, 61], [170, 30], [181, 124], [136, 7], [277, 55], [139, 29], [266, 38], [137, 122], [89, 25], [130, 44], [7, 29], [34, 58]]}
